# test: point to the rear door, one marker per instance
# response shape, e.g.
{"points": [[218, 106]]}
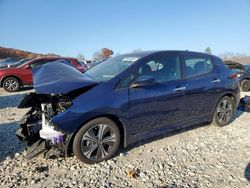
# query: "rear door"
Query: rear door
{"points": [[162, 103], [203, 84]]}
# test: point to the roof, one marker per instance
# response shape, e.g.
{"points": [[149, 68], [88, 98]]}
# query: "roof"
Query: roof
{"points": [[146, 53], [54, 57]]}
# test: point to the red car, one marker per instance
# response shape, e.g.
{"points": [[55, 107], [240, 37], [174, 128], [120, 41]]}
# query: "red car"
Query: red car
{"points": [[12, 79]]}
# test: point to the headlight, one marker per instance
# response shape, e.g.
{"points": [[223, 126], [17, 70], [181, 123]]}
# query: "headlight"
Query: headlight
{"points": [[62, 106]]}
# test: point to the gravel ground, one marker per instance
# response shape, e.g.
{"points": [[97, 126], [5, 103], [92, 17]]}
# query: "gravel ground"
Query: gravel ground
{"points": [[204, 156]]}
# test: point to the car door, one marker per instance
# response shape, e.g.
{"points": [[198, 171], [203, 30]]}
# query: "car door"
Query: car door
{"points": [[203, 85], [27, 70], [162, 103], [26, 74]]}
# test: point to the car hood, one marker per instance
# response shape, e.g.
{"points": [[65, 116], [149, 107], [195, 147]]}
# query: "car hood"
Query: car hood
{"points": [[8, 69], [59, 78]]}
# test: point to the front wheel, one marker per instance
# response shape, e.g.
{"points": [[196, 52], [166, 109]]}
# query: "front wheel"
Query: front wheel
{"points": [[96, 141], [11, 84], [224, 112]]}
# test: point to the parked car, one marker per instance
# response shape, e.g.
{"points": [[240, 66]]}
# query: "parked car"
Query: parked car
{"points": [[123, 100], [13, 78], [243, 72], [97, 62], [86, 63], [8, 61]]}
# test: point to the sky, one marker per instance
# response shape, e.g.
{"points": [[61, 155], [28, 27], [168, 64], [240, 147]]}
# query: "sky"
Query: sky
{"points": [[70, 27]]}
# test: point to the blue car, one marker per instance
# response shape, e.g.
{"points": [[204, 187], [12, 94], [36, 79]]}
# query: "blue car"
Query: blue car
{"points": [[123, 100]]}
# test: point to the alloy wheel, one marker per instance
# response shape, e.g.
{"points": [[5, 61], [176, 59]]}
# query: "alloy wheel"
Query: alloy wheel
{"points": [[245, 85], [224, 111], [11, 85], [98, 141]]}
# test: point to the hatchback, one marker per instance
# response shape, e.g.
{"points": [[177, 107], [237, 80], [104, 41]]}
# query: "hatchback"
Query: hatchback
{"points": [[123, 100]]}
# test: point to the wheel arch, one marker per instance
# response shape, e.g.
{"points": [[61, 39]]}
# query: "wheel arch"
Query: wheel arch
{"points": [[116, 119], [8, 76], [229, 95], [224, 95]]}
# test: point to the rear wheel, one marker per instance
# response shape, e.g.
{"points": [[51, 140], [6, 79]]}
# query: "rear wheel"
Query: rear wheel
{"points": [[11, 84], [224, 112], [96, 141], [245, 85]]}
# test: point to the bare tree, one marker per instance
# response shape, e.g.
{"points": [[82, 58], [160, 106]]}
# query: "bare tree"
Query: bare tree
{"points": [[208, 50], [137, 50], [80, 56], [97, 56]]}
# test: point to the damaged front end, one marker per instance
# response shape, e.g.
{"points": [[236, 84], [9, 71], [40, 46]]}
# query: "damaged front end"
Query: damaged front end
{"points": [[57, 84], [36, 128]]}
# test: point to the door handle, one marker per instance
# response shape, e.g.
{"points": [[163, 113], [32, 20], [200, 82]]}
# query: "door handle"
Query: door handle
{"points": [[179, 89], [216, 81]]}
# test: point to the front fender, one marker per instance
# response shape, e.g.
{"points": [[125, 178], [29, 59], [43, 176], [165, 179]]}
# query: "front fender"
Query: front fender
{"points": [[70, 121]]}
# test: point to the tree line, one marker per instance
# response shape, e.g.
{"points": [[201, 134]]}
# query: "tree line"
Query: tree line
{"points": [[11, 52], [105, 53]]}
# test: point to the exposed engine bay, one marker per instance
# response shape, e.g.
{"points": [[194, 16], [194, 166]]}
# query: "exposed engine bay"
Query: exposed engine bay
{"points": [[37, 129]]}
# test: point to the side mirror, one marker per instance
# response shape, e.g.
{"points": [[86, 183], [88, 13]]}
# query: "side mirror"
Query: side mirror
{"points": [[143, 81]]}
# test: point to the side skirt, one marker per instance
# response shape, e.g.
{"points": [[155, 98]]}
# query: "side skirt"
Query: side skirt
{"points": [[149, 134]]}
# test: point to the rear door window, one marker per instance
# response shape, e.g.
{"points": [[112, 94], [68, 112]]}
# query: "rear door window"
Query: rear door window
{"points": [[163, 68], [196, 65]]}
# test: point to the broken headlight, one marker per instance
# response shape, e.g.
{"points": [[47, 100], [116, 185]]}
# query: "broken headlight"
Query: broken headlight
{"points": [[62, 106], [48, 131]]}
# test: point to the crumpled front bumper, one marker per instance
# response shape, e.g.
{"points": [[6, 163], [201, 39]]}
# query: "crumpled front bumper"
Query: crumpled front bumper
{"points": [[29, 133]]}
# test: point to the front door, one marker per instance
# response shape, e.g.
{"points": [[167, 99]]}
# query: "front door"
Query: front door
{"points": [[162, 103]]}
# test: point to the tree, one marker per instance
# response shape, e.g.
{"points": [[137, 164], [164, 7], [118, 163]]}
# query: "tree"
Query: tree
{"points": [[104, 53], [80, 56], [52, 54], [31, 55], [208, 50], [97, 56], [137, 50]]}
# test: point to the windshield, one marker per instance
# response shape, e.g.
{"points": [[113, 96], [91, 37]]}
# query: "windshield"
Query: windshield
{"points": [[21, 62], [110, 68]]}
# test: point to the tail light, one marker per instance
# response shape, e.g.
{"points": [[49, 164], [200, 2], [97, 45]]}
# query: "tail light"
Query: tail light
{"points": [[233, 76]]}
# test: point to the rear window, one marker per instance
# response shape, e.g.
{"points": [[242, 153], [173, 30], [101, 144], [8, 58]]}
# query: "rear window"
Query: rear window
{"points": [[235, 67], [42, 62], [39, 63]]}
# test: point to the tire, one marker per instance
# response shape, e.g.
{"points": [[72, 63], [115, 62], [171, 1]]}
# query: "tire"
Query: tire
{"points": [[89, 146], [245, 85], [224, 111], [11, 84]]}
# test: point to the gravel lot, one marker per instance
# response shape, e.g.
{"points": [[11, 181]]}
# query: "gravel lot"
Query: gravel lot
{"points": [[204, 156]]}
